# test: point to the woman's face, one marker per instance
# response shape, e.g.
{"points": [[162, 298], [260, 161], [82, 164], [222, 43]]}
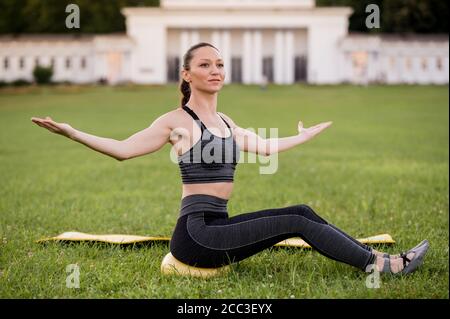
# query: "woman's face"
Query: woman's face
{"points": [[207, 71]]}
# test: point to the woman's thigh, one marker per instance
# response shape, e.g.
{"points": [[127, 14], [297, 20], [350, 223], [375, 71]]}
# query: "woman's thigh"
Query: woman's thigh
{"points": [[207, 241]]}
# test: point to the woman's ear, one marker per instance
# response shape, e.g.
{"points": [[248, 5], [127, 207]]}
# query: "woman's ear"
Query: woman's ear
{"points": [[186, 76]]}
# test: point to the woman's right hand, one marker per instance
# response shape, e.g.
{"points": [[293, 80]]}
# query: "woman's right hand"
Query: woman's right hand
{"points": [[54, 127]]}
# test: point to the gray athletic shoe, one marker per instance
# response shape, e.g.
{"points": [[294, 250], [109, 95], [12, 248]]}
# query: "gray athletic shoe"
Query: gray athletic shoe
{"points": [[419, 253], [417, 260], [423, 242]]}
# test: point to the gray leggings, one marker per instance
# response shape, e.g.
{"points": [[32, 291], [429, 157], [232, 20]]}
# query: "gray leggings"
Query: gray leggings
{"points": [[206, 237]]}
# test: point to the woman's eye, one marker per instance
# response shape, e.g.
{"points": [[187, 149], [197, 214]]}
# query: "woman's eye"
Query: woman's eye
{"points": [[207, 64]]}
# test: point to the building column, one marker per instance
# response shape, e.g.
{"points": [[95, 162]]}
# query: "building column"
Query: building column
{"points": [[323, 49], [257, 57], [188, 38], [288, 57], [215, 39], [247, 58], [184, 46], [195, 38], [278, 57], [226, 54]]}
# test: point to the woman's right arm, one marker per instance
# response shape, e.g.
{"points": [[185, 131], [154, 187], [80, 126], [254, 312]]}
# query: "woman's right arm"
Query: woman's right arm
{"points": [[146, 141]]}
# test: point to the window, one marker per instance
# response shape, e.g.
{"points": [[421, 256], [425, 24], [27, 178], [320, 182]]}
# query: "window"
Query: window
{"points": [[392, 62], [439, 63], [21, 63], [301, 67], [67, 63], [52, 62], [359, 59], [236, 69], [6, 63], [36, 61], [424, 63], [268, 68], [408, 63], [83, 63], [173, 69]]}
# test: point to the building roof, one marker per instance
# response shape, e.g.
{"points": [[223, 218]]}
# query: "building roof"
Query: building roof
{"points": [[236, 4]]}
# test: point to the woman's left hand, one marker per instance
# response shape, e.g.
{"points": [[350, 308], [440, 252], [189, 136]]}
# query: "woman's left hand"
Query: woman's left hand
{"points": [[310, 132]]}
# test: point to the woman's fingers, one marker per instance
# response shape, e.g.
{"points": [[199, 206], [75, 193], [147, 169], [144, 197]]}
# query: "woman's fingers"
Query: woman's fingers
{"points": [[46, 123], [38, 122], [46, 126], [300, 126], [53, 126], [316, 129], [322, 127], [41, 125]]}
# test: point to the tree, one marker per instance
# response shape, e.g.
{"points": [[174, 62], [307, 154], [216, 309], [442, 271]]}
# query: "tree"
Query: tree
{"points": [[37, 16], [42, 75], [398, 16], [104, 16]]}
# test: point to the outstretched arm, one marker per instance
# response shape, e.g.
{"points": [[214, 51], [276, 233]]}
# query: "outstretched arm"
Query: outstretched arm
{"points": [[146, 141], [251, 142]]}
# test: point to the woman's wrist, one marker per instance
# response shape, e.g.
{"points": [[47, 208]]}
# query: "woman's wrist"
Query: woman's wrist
{"points": [[73, 135], [301, 137]]}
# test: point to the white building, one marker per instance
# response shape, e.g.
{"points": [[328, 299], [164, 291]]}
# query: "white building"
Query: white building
{"points": [[285, 41], [393, 59]]}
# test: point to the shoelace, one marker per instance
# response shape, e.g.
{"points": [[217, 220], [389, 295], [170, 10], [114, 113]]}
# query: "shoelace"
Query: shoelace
{"points": [[405, 258]]}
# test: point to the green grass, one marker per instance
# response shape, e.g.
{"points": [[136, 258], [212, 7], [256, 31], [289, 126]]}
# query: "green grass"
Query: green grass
{"points": [[382, 167]]}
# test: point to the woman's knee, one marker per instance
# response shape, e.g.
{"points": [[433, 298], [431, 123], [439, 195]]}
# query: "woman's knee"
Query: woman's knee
{"points": [[307, 212]]}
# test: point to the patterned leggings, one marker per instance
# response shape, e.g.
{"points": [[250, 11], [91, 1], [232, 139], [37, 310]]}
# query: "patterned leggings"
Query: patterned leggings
{"points": [[205, 236]]}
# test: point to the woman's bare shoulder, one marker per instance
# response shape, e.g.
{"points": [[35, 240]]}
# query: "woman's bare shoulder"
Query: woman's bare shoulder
{"points": [[228, 119], [173, 117]]}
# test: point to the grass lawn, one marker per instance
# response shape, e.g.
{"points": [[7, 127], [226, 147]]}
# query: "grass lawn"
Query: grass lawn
{"points": [[382, 167]]}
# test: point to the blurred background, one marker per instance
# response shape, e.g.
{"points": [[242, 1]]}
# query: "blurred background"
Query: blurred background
{"points": [[262, 41]]}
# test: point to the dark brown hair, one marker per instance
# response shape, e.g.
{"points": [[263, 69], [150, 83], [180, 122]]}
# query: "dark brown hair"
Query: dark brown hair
{"points": [[184, 86]]}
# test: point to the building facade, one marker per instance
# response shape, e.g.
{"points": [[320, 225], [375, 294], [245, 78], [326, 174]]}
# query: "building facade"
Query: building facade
{"points": [[276, 41]]}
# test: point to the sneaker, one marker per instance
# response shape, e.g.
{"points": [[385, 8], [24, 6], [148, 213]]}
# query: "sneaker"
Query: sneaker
{"points": [[419, 253], [417, 260]]}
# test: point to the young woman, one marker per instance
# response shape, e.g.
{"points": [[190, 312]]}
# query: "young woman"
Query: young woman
{"points": [[204, 235]]}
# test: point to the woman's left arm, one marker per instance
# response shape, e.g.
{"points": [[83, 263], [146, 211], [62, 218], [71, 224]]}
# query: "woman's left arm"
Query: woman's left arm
{"points": [[249, 141]]}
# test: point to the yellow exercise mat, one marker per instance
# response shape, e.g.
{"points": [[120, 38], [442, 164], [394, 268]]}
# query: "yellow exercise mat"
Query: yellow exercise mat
{"points": [[172, 266], [295, 242], [113, 239], [300, 243]]}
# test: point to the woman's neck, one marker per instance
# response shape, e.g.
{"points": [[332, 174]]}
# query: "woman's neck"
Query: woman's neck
{"points": [[203, 103]]}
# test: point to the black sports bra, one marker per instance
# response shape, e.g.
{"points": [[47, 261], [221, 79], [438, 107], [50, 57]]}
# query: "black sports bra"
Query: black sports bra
{"points": [[211, 159]]}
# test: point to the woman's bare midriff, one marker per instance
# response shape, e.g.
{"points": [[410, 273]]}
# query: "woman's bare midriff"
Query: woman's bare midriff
{"points": [[222, 189]]}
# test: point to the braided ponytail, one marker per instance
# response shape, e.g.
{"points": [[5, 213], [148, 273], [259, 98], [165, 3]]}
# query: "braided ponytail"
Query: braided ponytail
{"points": [[185, 88]]}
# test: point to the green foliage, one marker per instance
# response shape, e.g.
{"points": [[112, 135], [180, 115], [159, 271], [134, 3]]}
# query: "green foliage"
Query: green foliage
{"points": [[42, 74], [398, 16], [104, 16], [20, 82], [37, 16]]}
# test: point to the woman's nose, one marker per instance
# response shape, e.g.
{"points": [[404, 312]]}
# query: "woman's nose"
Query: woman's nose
{"points": [[215, 70]]}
